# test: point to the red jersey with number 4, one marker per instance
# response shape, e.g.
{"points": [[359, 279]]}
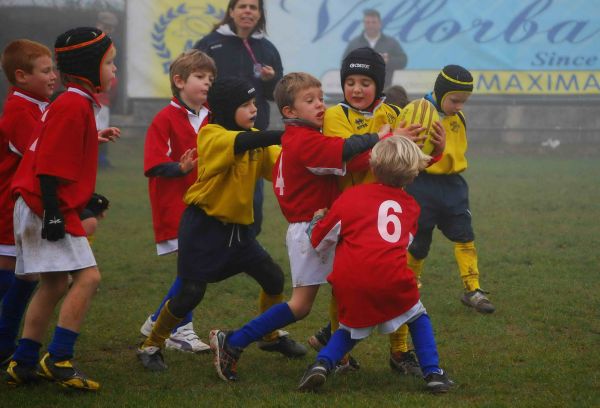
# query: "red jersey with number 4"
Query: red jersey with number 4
{"points": [[372, 225], [304, 176], [67, 149], [167, 139], [19, 124]]}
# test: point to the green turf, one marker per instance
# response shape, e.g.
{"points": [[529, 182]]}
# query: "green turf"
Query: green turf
{"points": [[536, 220]]}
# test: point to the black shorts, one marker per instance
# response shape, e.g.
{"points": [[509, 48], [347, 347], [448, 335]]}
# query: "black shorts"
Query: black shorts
{"points": [[444, 202], [211, 251]]}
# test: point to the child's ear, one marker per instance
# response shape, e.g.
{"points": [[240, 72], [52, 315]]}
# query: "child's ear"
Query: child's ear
{"points": [[178, 81], [288, 112], [20, 76]]}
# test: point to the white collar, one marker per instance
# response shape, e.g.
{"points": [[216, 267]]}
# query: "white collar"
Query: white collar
{"points": [[82, 93], [41, 104], [226, 30]]}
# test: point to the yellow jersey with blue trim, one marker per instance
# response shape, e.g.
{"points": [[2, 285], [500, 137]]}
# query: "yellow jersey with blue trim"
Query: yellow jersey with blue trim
{"points": [[454, 159], [342, 120], [224, 188]]}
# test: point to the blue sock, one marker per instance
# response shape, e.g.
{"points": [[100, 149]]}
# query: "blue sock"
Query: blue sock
{"points": [[63, 344], [6, 279], [175, 288], [337, 347], [28, 352], [421, 333], [13, 306], [274, 318]]}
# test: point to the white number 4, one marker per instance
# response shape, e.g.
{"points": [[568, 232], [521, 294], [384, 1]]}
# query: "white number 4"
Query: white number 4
{"points": [[387, 217]]}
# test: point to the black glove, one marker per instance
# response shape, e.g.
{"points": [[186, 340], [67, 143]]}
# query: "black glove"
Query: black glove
{"points": [[97, 204], [53, 222], [53, 225]]}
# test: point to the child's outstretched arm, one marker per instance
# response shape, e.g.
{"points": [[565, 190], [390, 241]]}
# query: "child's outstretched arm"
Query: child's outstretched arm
{"points": [[110, 134], [249, 140]]}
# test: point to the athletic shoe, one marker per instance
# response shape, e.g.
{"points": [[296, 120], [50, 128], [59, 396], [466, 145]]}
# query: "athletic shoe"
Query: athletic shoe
{"points": [[186, 339], [314, 377], [477, 300], [151, 358], [405, 363], [5, 357], [320, 339], [226, 357], [65, 374], [183, 339], [284, 345], [19, 374], [438, 383], [346, 364]]}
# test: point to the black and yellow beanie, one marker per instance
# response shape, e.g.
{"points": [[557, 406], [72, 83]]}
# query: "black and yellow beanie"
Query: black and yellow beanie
{"points": [[225, 96], [364, 61], [453, 78], [80, 52]]}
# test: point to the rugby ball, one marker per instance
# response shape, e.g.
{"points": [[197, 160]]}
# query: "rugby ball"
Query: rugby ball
{"points": [[422, 112]]}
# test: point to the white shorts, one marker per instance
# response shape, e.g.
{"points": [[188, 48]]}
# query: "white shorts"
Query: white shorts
{"points": [[307, 266], [8, 250], [38, 255], [387, 327], [167, 247]]}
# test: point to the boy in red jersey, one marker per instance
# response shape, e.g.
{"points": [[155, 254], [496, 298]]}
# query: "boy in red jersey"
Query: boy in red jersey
{"points": [[170, 163], [305, 178], [371, 226], [52, 186], [29, 69]]}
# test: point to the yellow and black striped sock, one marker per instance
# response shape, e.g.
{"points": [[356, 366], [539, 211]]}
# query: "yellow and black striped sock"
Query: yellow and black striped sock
{"points": [[466, 258], [415, 265], [165, 323], [399, 340]]}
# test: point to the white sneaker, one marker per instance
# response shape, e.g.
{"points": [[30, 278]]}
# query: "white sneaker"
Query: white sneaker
{"points": [[184, 338]]}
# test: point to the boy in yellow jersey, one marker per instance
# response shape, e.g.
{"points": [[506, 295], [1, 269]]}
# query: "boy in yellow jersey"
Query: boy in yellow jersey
{"points": [[215, 238], [365, 110], [443, 193]]}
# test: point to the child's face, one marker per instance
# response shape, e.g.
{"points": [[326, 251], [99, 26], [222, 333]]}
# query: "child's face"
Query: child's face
{"points": [[194, 90], [454, 102], [308, 105], [359, 91], [108, 69], [41, 80], [245, 114]]}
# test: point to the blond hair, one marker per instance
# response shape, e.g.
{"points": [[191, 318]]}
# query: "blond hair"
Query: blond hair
{"points": [[21, 54], [290, 85], [189, 62], [396, 161]]}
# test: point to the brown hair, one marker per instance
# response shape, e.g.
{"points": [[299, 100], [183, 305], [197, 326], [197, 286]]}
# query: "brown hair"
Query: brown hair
{"points": [[288, 87], [261, 25], [21, 54], [396, 95], [187, 63], [372, 13], [396, 161]]}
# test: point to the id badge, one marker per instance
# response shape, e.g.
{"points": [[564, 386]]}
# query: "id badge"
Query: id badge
{"points": [[257, 69]]}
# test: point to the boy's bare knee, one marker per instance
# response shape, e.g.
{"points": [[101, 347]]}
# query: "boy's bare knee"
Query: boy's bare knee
{"points": [[299, 310], [88, 278]]}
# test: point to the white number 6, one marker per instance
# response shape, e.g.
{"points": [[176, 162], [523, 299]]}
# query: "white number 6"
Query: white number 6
{"points": [[385, 217]]}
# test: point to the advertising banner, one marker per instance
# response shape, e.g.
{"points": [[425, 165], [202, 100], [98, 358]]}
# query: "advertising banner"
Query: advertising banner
{"points": [[517, 47]]}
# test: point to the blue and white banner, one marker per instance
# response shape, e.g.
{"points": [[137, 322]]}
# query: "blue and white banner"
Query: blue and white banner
{"points": [[512, 46]]}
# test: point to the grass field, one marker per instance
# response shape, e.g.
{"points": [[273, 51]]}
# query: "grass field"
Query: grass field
{"points": [[538, 234]]}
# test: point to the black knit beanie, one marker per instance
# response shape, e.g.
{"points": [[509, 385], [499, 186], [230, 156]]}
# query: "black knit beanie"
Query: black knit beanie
{"points": [[225, 96], [80, 51], [365, 61], [453, 78]]}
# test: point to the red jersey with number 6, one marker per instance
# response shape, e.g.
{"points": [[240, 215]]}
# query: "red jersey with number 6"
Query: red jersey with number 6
{"points": [[372, 226]]}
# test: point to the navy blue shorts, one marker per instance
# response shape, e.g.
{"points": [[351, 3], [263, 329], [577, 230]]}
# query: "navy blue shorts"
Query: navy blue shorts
{"points": [[211, 251], [444, 202]]}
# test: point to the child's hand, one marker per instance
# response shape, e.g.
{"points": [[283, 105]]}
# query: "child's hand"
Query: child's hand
{"points": [[411, 132], [188, 160], [267, 73], [384, 131], [438, 139], [320, 213], [109, 134]]}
